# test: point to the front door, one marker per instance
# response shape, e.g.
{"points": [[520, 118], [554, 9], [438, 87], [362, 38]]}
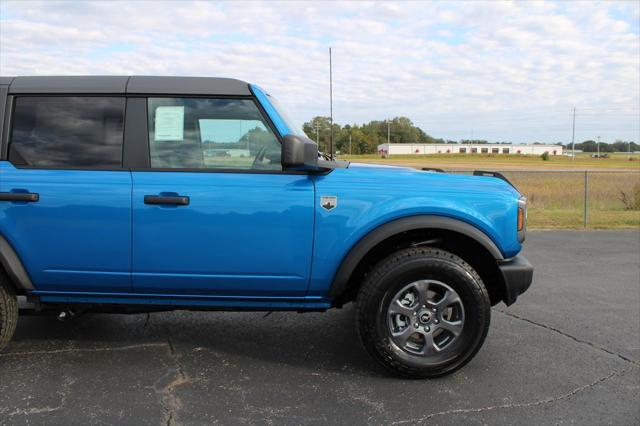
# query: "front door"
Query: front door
{"points": [[215, 214], [65, 200]]}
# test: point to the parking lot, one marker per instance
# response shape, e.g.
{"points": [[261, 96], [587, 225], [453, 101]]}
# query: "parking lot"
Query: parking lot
{"points": [[568, 352]]}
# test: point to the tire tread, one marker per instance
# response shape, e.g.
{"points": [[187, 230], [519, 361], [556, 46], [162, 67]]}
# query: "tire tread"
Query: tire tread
{"points": [[8, 311], [372, 287]]}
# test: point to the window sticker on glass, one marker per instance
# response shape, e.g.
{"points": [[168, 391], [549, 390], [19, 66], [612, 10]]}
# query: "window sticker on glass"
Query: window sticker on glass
{"points": [[227, 131], [169, 123]]}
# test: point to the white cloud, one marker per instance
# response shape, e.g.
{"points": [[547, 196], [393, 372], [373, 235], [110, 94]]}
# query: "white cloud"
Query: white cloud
{"points": [[450, 66]]}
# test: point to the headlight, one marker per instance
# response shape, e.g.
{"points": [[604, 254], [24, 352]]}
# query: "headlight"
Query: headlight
{"points": [[522, 217]]}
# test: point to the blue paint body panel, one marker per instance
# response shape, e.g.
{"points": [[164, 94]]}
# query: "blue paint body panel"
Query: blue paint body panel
{"points": [[241, 234], [78, 235]]}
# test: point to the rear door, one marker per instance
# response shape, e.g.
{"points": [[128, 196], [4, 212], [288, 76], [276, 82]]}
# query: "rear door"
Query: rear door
{"points": [[215, 214], [65, 200]]}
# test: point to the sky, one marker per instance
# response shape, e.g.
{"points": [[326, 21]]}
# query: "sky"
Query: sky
{"points": [[500, 71]]}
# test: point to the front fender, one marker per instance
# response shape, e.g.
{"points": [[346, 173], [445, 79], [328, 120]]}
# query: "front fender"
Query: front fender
{"points": [[373, 238], [368, 198]]}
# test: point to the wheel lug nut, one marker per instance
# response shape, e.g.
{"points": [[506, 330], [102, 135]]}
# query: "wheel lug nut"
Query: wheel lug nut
{"points": [[427, 329], [416, 325], [434, 310], [415, 313], [436, 321], [424, 306]]}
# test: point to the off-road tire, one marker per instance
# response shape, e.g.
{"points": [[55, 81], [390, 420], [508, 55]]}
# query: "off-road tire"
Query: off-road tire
{"points": [[401, 268], [8, 311]]}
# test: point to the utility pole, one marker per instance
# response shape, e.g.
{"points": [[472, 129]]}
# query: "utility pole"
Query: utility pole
{"points": [[573, 136], [388, 132], [330, 106], [598, 147], [350, 144], [317, 126]]}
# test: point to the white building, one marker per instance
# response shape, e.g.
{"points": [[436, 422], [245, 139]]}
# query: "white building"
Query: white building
{"points": [[433, 148]]}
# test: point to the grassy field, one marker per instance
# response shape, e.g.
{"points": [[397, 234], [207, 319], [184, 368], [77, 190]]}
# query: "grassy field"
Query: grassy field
{"points": [[556, 197]]}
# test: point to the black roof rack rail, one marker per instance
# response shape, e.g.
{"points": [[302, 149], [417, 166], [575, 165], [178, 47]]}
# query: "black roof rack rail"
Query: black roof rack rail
{"points": [[493, 174], [433, 169]]}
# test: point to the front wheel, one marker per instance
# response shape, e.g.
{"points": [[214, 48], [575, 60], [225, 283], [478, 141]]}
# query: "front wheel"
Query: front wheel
{"points": [[8, 311], [423, 312]]}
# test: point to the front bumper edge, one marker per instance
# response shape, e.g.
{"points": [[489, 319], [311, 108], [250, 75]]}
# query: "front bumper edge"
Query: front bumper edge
{"points": [[517, 274]]}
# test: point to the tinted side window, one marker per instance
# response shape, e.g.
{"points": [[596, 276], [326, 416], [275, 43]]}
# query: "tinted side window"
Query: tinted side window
{"points": [[210, 134], [67, 131]]}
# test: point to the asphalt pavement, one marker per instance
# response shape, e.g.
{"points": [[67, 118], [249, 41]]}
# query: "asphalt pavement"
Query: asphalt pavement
{"points": [[568, 352]]}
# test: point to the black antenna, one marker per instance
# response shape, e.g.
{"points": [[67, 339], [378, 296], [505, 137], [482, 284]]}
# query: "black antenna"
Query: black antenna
{"points": [[330, 107]]}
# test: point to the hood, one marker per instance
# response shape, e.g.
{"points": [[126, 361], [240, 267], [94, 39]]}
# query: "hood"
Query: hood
{"points": [[407, 179]]}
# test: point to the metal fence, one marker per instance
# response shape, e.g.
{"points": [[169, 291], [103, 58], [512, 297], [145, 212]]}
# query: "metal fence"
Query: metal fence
{"points": [[595, 199]]}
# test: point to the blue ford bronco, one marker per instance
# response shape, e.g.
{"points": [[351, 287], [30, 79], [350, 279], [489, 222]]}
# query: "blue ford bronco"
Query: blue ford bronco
{"points": [[139, 194]]}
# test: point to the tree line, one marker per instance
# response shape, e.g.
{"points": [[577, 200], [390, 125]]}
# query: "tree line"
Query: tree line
{"points": [[365, 138], [617, 146]]}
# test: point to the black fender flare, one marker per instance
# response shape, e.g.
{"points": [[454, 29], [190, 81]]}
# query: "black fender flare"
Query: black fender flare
{"points": [[13, 267], [389, 229]]}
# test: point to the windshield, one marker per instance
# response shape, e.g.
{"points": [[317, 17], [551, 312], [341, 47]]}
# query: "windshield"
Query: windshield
{"points": [[272, 107], [290, 124]]}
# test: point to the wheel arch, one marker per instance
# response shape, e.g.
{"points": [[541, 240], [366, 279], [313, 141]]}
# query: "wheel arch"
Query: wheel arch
{"points": [[13, 267], [454, 235]]}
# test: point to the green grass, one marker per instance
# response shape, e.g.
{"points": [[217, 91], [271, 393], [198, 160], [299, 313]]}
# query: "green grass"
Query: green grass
{"points": [[573, 219]]}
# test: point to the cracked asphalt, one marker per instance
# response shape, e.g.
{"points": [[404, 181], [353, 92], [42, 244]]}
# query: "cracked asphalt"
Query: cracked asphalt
{"points": [[568, 352]]}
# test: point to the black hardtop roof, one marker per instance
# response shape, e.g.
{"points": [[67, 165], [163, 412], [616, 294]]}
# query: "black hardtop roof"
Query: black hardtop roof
{"points": [[143, 85]]}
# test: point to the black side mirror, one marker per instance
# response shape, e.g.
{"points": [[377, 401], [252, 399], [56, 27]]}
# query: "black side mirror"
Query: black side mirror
{"points": [[299, 153]]}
